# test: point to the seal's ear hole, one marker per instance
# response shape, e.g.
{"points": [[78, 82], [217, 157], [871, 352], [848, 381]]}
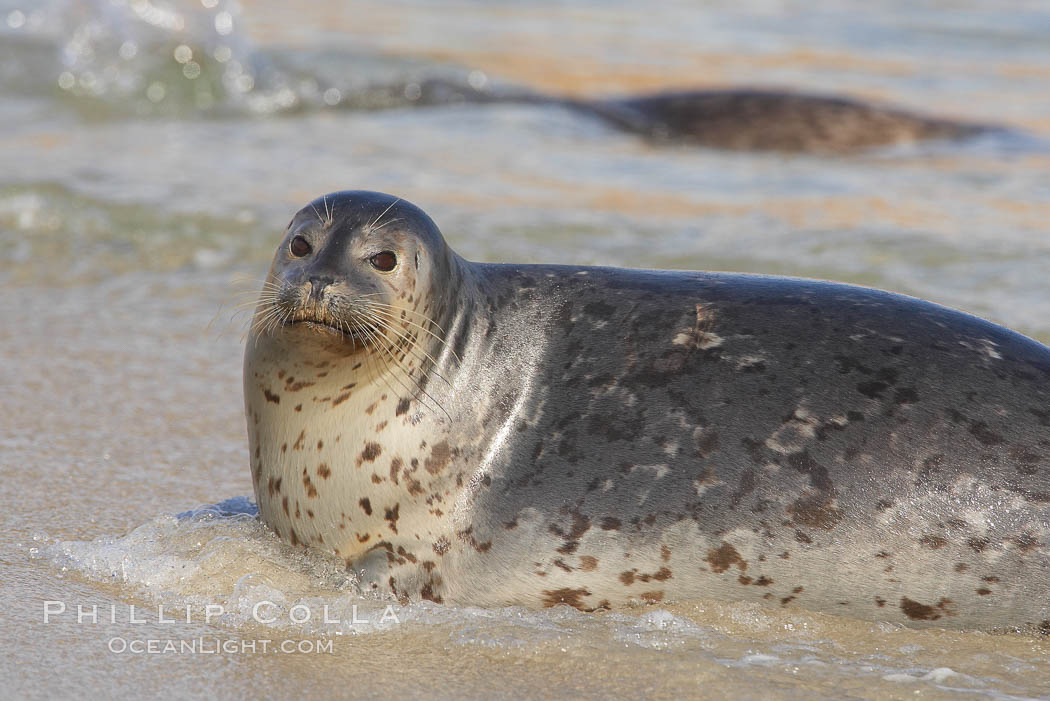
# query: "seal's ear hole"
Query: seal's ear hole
{"points": [[299, 247], [384, 261], [417, 259]]}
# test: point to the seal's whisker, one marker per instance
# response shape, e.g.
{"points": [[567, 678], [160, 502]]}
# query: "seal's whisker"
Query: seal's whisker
{"points": [[390, 309], [371, 227], [367, 341], [411, 347], [413, 312], [274, 318], [262, 296], [254, 285], [245, 279], [260, 320], [377, 342], [264, 300], [393, 319], [386, 223]]}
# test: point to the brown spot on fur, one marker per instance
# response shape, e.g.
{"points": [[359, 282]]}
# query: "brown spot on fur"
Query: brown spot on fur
{"points": [[723, 557], [441, 545], [323, 471], [391, 515], [311, 491], [274, 486], [395, 467], [588, 563], [627, 577], [370, 453], [610, 524], [366, 505], [427, 592], [440, 454], [320, 445], [1026, 542], [402, 407], [298, 386], [380, 427], [984, 591], [977, 544], [340, 399], [298, 445], [271, 397], [376, 479], [371, 408], [572, 597], [468, 536], [661, 575], [815, 510], [665, 553], [961, 567], [363, 538], [922, 612], [933, 542], [284, 505], [298, 407], [652, 597]]}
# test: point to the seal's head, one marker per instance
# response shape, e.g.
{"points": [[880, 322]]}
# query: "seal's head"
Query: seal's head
{"points": [[354, 273]]}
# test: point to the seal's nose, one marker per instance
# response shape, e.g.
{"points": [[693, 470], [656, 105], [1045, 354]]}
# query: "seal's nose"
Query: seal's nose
{"points": [[317, 285]]}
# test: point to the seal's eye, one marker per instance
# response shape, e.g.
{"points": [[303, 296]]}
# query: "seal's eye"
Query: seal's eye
{"points": [[383, 261], [299, 247]]}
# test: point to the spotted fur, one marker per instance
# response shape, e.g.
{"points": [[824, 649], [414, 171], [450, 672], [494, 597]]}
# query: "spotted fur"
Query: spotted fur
{"points": [[599, 436]]}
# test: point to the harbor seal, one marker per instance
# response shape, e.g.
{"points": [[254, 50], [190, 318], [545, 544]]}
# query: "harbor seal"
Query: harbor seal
{"points": [[496, 434], [734, 119]]}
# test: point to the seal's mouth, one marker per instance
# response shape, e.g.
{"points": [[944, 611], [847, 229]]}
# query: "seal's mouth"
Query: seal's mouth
{"points": [[323, 326], [328, 326]]}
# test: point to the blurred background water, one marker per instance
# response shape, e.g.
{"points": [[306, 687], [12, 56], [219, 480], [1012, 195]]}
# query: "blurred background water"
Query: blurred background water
{"points": [[153, 151]]}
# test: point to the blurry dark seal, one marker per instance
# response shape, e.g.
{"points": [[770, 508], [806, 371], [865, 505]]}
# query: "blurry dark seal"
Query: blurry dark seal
{"points": [[733, 119], [542, 435], [775, 120]]}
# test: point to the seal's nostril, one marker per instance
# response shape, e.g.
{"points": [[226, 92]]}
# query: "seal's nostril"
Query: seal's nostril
{"points": [[317, 285]]}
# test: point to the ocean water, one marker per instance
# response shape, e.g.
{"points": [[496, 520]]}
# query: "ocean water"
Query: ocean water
{"points": [[152, 153]]}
